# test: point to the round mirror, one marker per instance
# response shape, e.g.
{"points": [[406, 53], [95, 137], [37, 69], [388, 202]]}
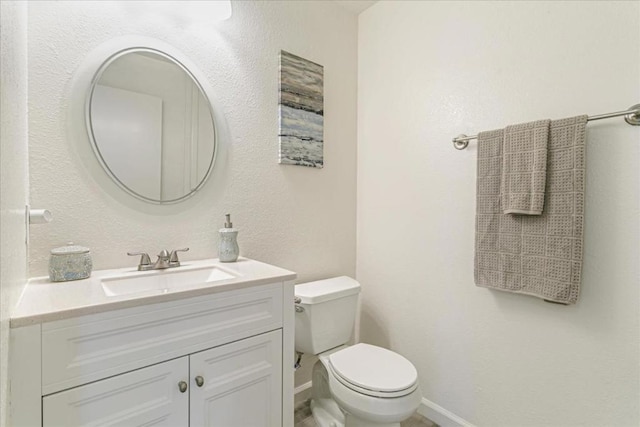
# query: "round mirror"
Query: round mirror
{"points": [[151, 126]]}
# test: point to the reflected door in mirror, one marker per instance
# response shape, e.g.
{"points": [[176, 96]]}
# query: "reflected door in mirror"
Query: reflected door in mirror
{"points": [[128, 130]]}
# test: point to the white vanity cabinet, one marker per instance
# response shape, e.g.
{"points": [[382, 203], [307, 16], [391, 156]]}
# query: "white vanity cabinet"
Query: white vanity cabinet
{"points": [[234, 385], [221, 359]]}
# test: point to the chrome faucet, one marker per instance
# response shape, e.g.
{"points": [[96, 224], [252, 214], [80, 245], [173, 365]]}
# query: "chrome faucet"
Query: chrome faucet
{"points": [[165, 260]]}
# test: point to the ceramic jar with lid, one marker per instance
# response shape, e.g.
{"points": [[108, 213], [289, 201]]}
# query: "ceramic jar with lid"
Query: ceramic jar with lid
{"points": [[70, 263]]}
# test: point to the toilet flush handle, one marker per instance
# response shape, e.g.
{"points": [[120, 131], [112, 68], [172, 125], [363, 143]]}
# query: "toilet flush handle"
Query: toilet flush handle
{"points": [[298, 300]]}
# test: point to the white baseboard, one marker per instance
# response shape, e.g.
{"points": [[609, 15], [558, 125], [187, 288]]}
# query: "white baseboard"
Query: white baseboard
{"points": [[441, 416], [302, 393]]}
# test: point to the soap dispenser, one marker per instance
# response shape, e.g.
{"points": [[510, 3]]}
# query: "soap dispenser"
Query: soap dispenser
{"points": [[228, 250]]}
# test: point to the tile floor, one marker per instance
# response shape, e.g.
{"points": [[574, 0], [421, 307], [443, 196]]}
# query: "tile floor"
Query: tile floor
{"points": [[303, 418]]}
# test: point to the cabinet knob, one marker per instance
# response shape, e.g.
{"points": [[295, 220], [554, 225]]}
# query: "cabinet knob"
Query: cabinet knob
{"points": [[199, 381], [182, 386]]}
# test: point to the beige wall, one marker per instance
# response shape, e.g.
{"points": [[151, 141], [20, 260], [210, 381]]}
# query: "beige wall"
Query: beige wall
{"points": [[429, 71], [13, 175]]}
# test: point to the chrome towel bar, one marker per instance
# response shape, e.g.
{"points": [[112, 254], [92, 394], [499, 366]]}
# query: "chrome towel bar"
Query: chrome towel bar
{"points": [[631, 116]]}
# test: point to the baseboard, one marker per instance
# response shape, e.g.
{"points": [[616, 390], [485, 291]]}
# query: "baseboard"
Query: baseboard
{"points": [[441, 416], [301, 393]]}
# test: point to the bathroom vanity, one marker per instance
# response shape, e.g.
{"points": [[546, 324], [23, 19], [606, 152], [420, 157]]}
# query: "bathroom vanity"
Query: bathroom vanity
{"points": [[205, 344]]}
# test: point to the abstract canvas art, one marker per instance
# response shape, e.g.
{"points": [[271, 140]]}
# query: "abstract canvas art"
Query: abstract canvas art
{"points": [[301, 111]]}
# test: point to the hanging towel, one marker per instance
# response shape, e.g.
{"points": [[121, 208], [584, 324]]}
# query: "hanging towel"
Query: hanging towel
{"points": [[524, 168], [528, 254]]}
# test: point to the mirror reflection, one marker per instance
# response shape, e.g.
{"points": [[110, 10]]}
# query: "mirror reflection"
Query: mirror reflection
{"points": [[151, 126]]}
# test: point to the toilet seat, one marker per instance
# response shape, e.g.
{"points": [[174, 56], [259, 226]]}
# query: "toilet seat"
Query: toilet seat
{"points": [[367, 407], [373, 371]]}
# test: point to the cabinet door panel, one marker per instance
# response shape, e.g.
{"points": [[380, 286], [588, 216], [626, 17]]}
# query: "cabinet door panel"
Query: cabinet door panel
{"points": [[242, 384], [146, 397]]}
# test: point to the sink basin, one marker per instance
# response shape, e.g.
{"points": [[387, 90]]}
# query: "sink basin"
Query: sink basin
{"points": [[163, 281]]}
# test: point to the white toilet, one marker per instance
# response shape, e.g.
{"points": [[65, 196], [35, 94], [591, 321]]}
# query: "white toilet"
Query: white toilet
{"points": [[353, 386]]}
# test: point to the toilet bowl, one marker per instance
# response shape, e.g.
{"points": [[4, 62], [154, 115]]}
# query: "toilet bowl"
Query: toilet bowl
{"points": [[371, 385], [352, 386]]}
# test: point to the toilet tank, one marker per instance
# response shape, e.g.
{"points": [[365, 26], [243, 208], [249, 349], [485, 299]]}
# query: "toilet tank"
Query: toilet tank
{"points": [[328, 313]]}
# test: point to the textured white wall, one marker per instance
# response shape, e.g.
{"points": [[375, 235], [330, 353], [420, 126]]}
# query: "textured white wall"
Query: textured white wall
{"points": [[13, 174], [429, 71]]}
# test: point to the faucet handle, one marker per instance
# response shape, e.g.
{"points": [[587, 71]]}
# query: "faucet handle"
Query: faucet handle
{"points": [[145, 261], [173, 259]]}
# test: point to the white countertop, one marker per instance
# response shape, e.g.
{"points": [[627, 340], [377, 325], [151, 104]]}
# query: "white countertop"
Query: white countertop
{"points": [[45, 301]]}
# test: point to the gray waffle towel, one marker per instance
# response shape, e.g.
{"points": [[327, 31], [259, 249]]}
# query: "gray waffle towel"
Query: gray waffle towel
{"points": [[526, 254], [524, 168]]}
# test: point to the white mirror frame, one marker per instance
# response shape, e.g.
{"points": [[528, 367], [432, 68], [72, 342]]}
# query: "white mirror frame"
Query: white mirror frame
{"points": [[89, 73]]}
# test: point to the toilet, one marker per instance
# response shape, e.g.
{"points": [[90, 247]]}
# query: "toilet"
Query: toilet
{"points": [[352, 386]]}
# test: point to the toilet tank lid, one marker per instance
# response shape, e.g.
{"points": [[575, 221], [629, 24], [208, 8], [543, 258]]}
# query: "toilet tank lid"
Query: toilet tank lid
{"points": [[326, 290]]}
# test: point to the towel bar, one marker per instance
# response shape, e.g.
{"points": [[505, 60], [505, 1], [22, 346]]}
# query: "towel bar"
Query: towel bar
{"points": [[631, 116]]}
